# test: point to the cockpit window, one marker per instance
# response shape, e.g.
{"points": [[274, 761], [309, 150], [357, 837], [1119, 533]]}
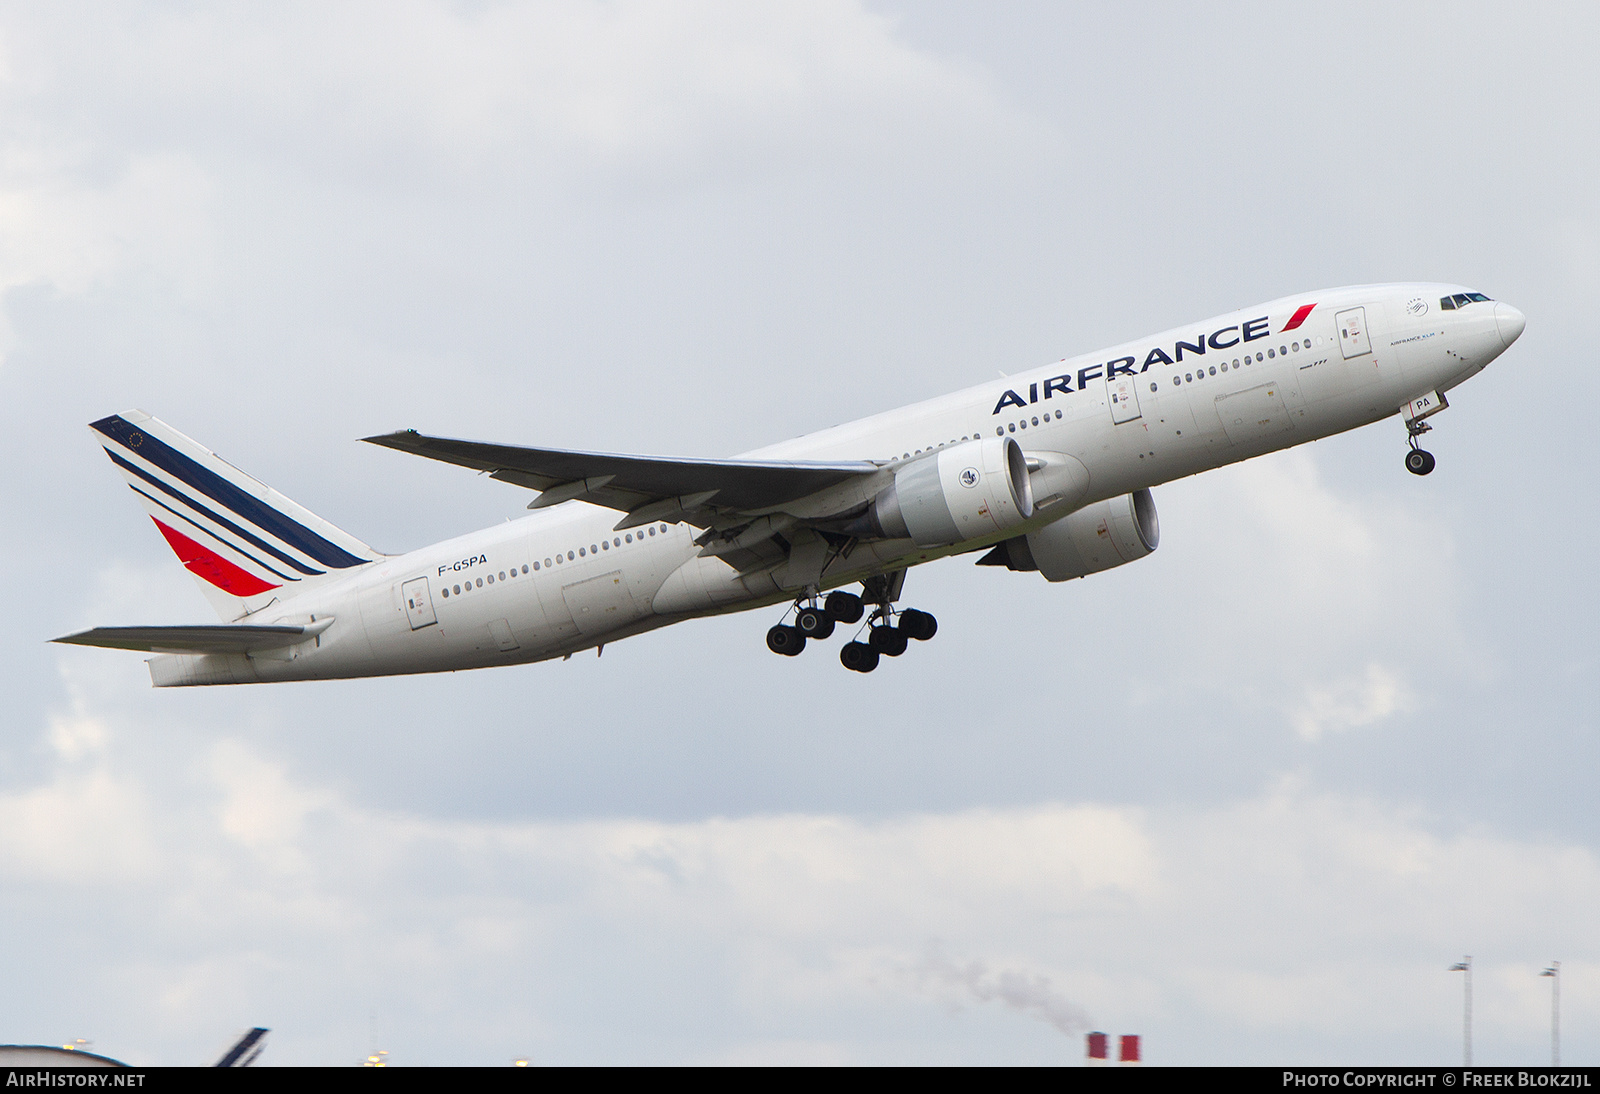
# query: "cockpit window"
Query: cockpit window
{"points": [[1461, 300]]}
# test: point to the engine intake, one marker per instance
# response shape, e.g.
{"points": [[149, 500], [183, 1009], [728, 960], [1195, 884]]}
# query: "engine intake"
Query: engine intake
{"points": [[1097, 537], [957, 494]]}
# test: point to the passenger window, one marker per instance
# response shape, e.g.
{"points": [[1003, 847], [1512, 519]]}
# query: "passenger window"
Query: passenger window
{"points": [[652, 530], [1058, 415], [1152, 385], [605, 545], [615, 542], [535, 565], [999, 431], [491, 578], [1213, 370], [1188, 377], [1011, 427], [445, 593], [569, 556], [525, 567], [480, 583], [1036, 421], [1258, 357], [458, 590], [1271, 354]]}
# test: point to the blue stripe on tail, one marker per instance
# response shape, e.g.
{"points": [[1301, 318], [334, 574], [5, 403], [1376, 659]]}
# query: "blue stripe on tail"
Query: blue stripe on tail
{"points": [[225, 493], [254, 541]]}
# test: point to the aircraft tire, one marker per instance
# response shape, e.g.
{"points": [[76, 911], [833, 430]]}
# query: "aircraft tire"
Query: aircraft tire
{"points": [[813, 623], [890, 641], [919, 625], [843, 607], [858, 657], [785, 640], [1419, 462]]}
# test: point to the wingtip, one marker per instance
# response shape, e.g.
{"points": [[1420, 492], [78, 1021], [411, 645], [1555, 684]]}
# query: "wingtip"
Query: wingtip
{"points": [[389, 440]]}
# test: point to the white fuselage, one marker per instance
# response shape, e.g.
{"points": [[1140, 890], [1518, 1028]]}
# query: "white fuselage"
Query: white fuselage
{"points": [[562, 580]]}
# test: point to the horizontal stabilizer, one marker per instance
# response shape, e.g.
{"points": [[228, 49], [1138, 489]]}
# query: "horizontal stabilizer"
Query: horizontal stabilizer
{"points": [[629, 482], [236, 638]]}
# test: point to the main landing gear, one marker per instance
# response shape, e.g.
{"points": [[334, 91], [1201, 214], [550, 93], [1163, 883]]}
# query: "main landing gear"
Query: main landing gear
{"points": [[888, 632]]}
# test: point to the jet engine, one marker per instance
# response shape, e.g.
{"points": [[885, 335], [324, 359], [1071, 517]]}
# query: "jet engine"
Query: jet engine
{"points": [[958, 493], [1096, 537]]}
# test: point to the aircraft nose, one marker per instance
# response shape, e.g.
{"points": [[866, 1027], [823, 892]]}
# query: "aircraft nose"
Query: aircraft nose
{"points": [[1510, 322]]}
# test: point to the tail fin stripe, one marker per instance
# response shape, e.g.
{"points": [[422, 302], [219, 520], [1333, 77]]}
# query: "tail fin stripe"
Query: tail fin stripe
{"points": [[225, 493], [196, 524], [210, 566], [206, 512]]}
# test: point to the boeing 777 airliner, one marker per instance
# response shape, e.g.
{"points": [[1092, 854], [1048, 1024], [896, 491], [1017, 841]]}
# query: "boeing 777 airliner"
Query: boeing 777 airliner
{"points": [[1046, 471]]}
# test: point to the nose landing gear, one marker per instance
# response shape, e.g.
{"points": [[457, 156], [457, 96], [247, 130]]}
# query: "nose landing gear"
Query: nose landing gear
{"points": [[1415, 413], [1418, 460]]}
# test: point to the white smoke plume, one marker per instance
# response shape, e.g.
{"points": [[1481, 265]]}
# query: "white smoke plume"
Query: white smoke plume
{"points": [[1030, 993]]}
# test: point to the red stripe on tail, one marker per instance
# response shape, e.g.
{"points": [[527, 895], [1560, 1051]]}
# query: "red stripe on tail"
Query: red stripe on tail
{"points": [[206, 563], [1298, 318]]}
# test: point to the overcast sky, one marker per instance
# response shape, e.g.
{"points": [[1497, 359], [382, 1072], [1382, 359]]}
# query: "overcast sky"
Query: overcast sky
{"points": [[1249, 797]]}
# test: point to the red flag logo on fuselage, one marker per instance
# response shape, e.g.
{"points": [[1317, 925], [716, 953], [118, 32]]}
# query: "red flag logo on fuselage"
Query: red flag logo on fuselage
{"points": [[1298, 317]]}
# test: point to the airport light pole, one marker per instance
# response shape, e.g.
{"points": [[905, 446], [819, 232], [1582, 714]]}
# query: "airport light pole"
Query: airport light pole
{"points": [[1554, 973], [1465, 965]]}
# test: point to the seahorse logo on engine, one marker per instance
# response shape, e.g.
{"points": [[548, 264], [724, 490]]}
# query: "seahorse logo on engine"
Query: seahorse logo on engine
{"points": [[969, 477]]}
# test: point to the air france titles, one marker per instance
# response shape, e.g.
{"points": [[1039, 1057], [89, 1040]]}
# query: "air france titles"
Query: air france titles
{"points": [[1223, 339]]}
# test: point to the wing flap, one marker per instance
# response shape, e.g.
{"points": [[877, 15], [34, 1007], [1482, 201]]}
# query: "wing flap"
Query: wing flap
{"points": [[225, 638]]}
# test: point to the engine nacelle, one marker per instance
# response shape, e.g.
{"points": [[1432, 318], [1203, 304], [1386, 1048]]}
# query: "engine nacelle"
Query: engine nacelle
{"points": [[1096, 537], [957, 494]]}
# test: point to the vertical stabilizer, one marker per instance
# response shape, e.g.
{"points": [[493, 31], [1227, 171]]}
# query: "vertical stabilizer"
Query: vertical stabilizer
{"points": [[245, 543]]}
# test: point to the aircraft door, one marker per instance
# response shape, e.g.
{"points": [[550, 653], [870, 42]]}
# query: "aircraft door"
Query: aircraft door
{"points": [[1352, 324], [419, 604], [1123, 394]]}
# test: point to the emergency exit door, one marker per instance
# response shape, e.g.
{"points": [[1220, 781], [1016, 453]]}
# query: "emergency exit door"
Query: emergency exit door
{"points": [[1352, 326], [1124, 396], [419, 605]]}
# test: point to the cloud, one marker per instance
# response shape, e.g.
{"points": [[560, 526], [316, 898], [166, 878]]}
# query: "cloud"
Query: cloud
{"points": [[464, 91], [1350, 704], [1311, 916]]}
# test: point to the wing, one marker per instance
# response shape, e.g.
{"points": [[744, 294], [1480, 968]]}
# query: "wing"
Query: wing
{"points": [[755, 514], [647, 488], [204, 639]]}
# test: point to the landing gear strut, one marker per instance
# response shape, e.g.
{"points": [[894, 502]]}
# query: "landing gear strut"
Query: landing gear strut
{"points": [[888, 632], [885, 637], [1419, 461]]}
